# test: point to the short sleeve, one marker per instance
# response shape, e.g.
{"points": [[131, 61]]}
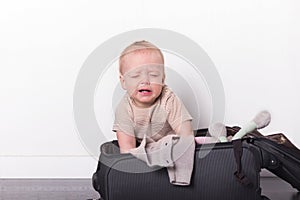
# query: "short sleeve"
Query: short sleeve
{"points": [[177, 112], [123, 118]]}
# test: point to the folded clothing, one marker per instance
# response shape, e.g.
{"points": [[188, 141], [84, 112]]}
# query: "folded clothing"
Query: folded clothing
{"points": [[174, 152]]}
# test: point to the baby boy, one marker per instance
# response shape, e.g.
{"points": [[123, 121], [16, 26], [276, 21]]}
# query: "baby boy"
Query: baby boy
{"points": [[149, 107]]}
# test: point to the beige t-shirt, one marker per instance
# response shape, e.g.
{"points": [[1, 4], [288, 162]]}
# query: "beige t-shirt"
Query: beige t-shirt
{"points": [[157, 121]]}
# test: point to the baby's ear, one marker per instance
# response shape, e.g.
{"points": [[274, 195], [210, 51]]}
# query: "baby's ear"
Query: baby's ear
{"points": [[122, 81]]}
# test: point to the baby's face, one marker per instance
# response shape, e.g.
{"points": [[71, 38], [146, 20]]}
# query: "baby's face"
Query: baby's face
{"points": [[143, 76]]}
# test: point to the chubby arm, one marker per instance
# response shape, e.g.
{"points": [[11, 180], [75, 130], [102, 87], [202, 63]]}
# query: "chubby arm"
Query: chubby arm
{"points": [[185, 128], [178, 116], [126, 141]]}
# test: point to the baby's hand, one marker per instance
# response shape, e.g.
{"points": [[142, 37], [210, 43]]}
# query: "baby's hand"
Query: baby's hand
{"points": [[126, 142]]}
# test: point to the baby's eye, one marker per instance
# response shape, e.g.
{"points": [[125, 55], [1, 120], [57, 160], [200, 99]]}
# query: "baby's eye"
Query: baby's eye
{"points": [[134, 75], [154, 74]]}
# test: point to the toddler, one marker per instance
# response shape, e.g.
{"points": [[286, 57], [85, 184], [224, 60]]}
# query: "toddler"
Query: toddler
{"points": [[149, 109]]}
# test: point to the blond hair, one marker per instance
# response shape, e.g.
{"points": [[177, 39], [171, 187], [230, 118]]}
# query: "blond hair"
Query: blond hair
{"points": [[138, 46]]}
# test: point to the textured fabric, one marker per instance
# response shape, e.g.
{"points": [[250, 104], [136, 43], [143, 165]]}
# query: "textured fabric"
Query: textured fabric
{"points": [[172, 151], [155, 122], [123, 176]]}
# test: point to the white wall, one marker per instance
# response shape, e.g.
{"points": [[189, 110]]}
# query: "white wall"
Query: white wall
{"points": [[254, 45]]}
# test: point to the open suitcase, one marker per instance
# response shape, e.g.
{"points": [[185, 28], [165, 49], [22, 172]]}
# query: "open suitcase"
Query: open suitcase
{"points": [[279, 155], [122, 176]]}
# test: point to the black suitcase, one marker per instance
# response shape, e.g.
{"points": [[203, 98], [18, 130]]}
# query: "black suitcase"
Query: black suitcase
{"points": [[124, 177], [279, 155], [281, 160]]}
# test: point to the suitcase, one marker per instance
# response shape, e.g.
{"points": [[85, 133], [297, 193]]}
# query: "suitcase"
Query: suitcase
{"points": [[279, 155], [124, 177]]}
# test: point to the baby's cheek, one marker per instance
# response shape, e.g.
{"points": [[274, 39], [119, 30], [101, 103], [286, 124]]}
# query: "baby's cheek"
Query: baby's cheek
{"points": [[131, 91], [157, 88], [156, 80]]}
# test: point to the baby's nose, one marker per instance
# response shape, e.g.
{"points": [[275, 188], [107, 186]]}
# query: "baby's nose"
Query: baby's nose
{"points": [[145, 79], [145, 82]]}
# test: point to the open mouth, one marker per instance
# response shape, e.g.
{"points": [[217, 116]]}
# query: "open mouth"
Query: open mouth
{"points": [[144, 90]]}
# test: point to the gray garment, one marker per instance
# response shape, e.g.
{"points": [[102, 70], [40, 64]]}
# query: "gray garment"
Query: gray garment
{"points": [[172, 151]]}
